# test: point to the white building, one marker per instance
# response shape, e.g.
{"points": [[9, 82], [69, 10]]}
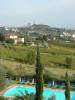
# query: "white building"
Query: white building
{"points": [[66, 34], [73, 35], [13, 36], [19, 40]]}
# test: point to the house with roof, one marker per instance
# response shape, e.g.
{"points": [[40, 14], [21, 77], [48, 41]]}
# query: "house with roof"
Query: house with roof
{"points": [[15, 37]]}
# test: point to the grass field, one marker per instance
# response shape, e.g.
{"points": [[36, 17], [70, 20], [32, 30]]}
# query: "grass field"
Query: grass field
{"points": [[53, 59], [30, 69]]}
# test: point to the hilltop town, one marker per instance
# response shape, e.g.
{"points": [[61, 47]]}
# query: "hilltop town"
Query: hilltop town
{"points": [[33, 32]]}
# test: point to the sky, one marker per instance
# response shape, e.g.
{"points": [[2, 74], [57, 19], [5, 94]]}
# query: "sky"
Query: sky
{"points": [[55, 13]]}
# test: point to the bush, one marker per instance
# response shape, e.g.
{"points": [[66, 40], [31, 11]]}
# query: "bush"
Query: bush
{"points": [[68, 62], [30, 57], [52, 98], [2, 37], [2, 98], [25, 96], [2, 76], [11, 41]]}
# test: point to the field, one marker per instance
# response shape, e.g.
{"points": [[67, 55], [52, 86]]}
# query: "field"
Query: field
{"points": [[53, 59]]}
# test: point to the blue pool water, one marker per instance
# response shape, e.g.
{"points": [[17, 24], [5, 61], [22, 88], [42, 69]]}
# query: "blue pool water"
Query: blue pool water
{"points": [[47, 92]]}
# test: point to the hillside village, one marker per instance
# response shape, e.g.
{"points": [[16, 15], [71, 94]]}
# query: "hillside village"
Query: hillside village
{"points": [[33, 32]]}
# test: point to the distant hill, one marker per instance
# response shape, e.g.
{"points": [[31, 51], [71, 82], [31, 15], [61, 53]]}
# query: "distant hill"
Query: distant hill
{"points": [[48, 29], [41, 28]]}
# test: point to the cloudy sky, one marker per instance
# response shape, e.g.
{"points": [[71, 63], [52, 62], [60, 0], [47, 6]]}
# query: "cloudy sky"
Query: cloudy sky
{"points": [[57, 13]]}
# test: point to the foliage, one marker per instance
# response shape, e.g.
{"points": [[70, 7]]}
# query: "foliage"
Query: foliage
{"points": [[20, 70], [2, 32], [9, 73], [2, 37], [11, 41], [39, 77], [67, 87], [44, 37], [52, 98], [25, 96], [2, 76], [41, 28], [68, 62], [3, 98], [26, 38], [30, 57]]}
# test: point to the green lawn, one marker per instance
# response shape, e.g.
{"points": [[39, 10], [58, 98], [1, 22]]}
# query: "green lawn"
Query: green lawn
{"points": [[30, 69], [53, 58]]}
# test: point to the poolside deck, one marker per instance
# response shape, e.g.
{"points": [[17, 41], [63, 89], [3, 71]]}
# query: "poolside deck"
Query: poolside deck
{"points": [[2, 92]]}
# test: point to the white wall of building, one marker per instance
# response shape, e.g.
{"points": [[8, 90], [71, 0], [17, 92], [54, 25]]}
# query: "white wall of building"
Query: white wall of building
{"points": [[13, 37]]}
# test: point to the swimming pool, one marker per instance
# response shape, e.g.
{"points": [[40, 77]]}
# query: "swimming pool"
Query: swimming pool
{"points": [[47, 92]]}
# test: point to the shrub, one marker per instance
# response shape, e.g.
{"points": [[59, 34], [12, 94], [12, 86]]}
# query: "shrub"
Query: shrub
{"points": [[11, 41], [30, 57], [25, 96], [68, 62], [52, 98], [2, 98]]}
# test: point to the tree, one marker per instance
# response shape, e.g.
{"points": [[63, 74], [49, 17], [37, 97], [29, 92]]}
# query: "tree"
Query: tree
{"points": [[11, 41], [2, 37], [39, 77], [2, 33], [68, 62], [67, 87], [20, 71], [2, 76], [9, 73], [30, 57], [44, 37]]}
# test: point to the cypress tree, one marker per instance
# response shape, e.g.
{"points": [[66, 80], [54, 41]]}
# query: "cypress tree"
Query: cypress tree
{"points": [[39, 77], [67, 87]]}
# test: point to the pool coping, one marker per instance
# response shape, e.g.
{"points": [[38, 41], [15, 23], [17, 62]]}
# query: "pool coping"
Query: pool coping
{"points": [[15, 85], [7, 88]]}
